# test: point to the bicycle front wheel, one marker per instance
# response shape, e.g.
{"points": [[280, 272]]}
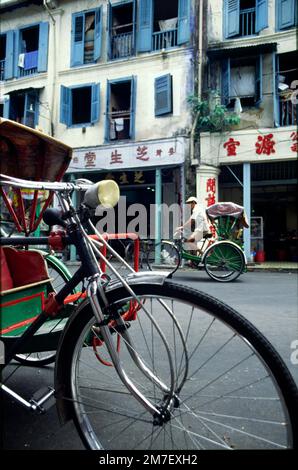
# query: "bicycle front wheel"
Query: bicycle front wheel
{"points": [[231, 388], [164, 255], [224, 261]]}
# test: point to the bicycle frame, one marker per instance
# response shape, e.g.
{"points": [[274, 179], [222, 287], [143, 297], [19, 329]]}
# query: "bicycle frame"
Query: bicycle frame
{"points": [[95, 292]]}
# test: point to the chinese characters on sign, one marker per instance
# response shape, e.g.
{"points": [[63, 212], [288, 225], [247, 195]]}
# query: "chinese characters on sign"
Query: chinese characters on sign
{"points": [[129, 156], [265, 144], [294, 138], [90, 160], [231, 146], [211, 198]]}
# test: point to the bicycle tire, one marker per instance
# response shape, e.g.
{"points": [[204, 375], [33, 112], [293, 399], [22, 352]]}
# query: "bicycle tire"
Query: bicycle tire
{"points": [[164, 255], [224, 261], [223, 413], [59, 278]]}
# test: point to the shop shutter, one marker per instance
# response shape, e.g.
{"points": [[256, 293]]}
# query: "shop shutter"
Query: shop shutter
{"points": [[98, 33], [9, 71], [232, 17], [183, 21], [6, 106], [77, 39], [163, 95], [261, 15], [65, 105], [145, 25], [43, 42], [133, 95], [95, 103], [259, 79], [225, 81], [285, 13]]}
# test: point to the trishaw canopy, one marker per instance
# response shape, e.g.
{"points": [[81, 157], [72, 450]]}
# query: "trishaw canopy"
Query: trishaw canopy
{"points": [[30, 155], [227, 209]]}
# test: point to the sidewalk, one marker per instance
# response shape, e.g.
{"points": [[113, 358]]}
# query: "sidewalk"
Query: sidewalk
{"points": [[274, 266]]}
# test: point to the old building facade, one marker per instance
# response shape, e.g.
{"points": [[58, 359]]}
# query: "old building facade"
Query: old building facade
{"points": [[252, 70]]}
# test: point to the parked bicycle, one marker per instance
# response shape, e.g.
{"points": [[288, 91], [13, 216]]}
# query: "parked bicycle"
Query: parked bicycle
{"points": [[142, 362]]}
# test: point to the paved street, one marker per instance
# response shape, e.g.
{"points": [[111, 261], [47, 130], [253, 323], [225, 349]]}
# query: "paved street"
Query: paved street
{"points": [[268, 300]]}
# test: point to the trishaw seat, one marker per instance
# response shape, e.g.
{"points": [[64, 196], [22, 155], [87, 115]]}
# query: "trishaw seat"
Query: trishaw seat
{"points": [[21, 268]]}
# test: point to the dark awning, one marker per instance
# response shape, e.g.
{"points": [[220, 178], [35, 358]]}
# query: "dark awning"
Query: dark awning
{"points": [[241, 51]]}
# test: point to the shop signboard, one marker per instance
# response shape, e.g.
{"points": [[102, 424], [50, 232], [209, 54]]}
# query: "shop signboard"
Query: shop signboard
{"points": [[140, 155]]}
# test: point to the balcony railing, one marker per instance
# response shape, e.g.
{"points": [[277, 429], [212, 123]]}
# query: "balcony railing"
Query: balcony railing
{"points": [[288, 112], [28, 63], [164, 39], [247, 22], [2, 69], [122, 45]]}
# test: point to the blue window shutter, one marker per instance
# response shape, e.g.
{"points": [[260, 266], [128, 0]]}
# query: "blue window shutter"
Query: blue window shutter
{"points": [[286, 13], [95, 103], [9, 70], [108, 126], [65, 104], [145, 25], [261, 15], [43, 46], [232, 17], [17, 51], [133, 101], [77, 39], [259, 79], [6, 108], [183, 21], [225, 81], [98, 33], [134, 27], [163, 95]]}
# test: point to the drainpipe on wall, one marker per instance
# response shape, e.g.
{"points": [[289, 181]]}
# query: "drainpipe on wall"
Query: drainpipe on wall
{"points": [[199, 85], [52, 105]]}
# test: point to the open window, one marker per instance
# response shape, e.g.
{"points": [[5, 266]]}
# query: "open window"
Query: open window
{"points": [[80, 105], [242, 80], [122, 30], [165, 24], [285, 79], [86, 37], [23, 107], [120, 110], [245, 17], [31, 52]]}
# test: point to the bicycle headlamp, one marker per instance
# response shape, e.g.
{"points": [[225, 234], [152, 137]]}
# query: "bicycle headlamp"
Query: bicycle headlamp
{"points": [[105, 193]]}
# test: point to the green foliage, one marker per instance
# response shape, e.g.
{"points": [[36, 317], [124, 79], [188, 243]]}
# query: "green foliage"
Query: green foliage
{"points": [[217, 119]]}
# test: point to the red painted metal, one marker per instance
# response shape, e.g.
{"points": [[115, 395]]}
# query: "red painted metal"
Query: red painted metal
{"points": [[33, 210], [11, 210], [21, 209], [55, 240], [51, 306]]}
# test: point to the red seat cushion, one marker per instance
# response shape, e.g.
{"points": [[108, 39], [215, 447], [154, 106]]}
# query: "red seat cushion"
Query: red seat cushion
{"points": [[26, 267], [5, 276]]}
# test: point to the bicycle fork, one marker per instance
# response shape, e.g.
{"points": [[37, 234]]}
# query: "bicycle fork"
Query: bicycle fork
{"points": [[160, 413]]}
